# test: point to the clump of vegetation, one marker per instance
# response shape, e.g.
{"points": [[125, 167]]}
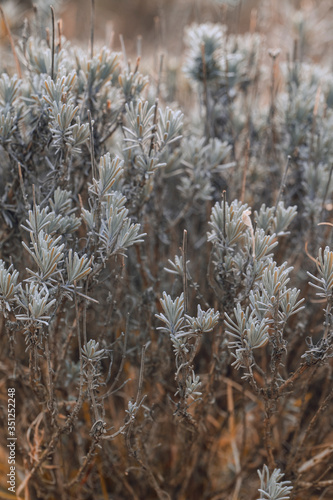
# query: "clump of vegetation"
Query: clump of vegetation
{"points": [[166, 275]]}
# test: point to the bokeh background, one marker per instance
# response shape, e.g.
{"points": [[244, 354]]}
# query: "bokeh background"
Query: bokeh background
{"points": [[157, 21], [160, 23]]}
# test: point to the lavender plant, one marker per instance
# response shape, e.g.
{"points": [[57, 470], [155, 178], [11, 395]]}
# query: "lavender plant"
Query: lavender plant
{"points": [[161, 305]]}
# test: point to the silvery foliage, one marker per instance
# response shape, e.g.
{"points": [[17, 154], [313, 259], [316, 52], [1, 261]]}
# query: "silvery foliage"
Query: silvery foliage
{"points": [[58, 217], [182, 328], [67, 130], [221, 60], [54, 109], [54, 261], [192, 385], [302, 86], [8, 283], [91, 352], [203, 322], [132, 410], [201, 161], [250, 333], [180, 325], [36, 305], [308, 94], [95, 73], [47, 254], [7, 127], [240, 253], [46, 228], [176, 266], [60, 103], [9, 116], [272, 302], [323, 284], [77, 268], [37, 56], [147, 136], [132, 84], [51, 107], [271, 486], [243, 256], [108, 173], [275, 220], [223, 66], [108, 217], [204, 40], [92, 356]]}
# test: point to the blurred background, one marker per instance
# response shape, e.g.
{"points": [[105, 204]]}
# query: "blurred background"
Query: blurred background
{"points": [[150, 28], [160, 23]]}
